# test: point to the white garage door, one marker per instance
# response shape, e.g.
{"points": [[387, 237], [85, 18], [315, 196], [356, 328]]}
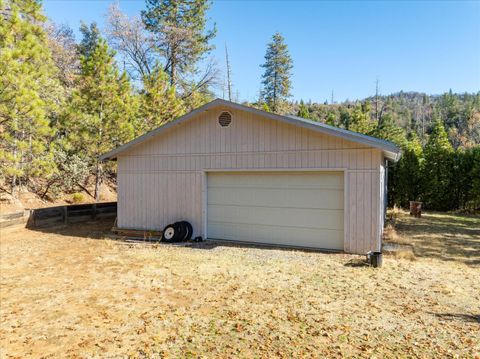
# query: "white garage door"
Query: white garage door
{"points": [[287, 208]]}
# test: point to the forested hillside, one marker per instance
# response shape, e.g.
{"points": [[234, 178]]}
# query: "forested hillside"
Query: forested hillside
{"points": [[439, 136], [64, 101], [412, 111]]}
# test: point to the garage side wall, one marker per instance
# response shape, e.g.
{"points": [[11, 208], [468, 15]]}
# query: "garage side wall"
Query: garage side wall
{"points": [[162, 180]]}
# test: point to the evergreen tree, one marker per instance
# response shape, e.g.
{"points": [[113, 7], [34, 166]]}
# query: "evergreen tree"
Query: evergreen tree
{"points": [[438, 169], [462, 180], [388, 130], [303, 110], [159, 103], [195, 95], [90, 38], [360, 119], [264, 107], [405, 177], [29, 93], [276, 78], [331, 119], [474, 196], [102, 111], [345, 118], [181, 35]]}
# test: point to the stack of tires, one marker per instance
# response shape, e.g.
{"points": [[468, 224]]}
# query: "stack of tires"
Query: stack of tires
{"points": [[177, 232]]}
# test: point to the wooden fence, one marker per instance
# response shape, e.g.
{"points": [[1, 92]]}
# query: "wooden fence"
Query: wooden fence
{"points": [[12, 219], [53, 216]]}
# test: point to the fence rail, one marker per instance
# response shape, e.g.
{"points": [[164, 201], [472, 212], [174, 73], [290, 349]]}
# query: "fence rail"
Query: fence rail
{"points": [[12, 219], [52, 216]]}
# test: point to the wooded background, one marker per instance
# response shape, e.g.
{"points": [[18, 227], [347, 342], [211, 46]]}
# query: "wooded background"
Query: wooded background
{"points": [[64, 102]]}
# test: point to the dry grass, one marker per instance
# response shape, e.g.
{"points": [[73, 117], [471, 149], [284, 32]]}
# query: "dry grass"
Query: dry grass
{"points": [[70, 293], [444, 236]]}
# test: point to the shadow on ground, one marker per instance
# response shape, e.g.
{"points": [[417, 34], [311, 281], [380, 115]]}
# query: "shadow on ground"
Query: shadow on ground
{"points": [[101, 229], [472, 318], [97, 229], [357, 262], [446, 237]]}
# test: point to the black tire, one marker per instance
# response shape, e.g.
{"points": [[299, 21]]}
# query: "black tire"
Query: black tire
{"points": [[169, 233], [180, 231], [188, 230]]}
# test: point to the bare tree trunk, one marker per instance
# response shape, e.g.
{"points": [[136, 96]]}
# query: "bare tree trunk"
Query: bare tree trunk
{"points": [[98, 168], [86, 190], [14, 188], [229, 81], [49, 184], [22, 161], [14, 177], [98, 180], [275, 93], [173, 68]]}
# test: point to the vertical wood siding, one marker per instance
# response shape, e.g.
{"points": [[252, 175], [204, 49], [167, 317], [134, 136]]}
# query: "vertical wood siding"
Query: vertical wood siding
{"points": [[161, 180]]}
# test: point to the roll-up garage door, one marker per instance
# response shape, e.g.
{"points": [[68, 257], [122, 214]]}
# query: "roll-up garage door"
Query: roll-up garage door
{"points": [[285, 208]]}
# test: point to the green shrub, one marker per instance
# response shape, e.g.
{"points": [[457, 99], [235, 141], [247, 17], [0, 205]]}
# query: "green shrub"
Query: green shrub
{"points": [[77, 198]]}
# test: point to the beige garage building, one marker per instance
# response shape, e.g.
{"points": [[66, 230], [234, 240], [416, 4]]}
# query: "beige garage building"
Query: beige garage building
{"points": [[238, 173]]}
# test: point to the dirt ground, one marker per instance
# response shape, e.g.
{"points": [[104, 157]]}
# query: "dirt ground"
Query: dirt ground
{"points": [[72, 293], [27, 200]]}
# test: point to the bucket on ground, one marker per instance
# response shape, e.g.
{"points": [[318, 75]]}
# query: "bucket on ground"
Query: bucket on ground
{"points": [[374, 259]]}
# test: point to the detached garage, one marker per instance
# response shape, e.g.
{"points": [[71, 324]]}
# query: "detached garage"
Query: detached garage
{"points": [[241, 174], [287, 208]]}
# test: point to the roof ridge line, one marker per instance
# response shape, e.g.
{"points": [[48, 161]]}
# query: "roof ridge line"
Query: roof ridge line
{"points": [[391, 151]]}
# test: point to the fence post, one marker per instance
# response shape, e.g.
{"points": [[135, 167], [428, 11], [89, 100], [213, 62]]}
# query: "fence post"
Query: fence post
{"points": [[65, 215]]}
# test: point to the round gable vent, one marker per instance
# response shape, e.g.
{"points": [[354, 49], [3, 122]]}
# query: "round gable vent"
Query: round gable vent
{"points": [[225, 119]]}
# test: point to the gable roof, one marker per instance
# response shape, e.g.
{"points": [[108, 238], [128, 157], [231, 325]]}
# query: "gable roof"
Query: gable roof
{"points": [[390, 150]]}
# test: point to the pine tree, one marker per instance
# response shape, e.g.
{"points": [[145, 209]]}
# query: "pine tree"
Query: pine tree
{"points": [[303, 110], [180, 28], [331, 119], [438, 169], [90, 38], [29, 93], [461, 172], [360, 119], [264, 107], [406, 175], [388, 130], [103, 109], [474, 195], [276, 78], [159, 103], [345, 118]]}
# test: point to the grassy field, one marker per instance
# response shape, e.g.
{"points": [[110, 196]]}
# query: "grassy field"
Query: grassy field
{"points": [[72, 293]]}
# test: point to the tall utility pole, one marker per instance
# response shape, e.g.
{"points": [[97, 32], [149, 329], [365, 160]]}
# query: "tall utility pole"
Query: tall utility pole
{"points": [[229, 82]]}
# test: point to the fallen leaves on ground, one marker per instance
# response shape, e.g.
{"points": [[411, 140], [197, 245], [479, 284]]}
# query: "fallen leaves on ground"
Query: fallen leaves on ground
{"points": [[73, 294]]}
